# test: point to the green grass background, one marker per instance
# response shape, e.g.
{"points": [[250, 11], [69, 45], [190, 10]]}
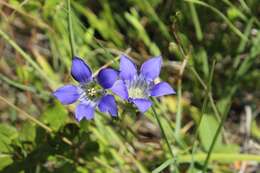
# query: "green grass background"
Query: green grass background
{"points": [[210, 53]]}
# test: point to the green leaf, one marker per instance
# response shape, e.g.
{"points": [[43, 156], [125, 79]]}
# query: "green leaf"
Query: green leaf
{"points": [[255, 129], [207, 130], [202, 59], [56, 116], [7, 134], [230, 148], [5, 160], [28, 132]]}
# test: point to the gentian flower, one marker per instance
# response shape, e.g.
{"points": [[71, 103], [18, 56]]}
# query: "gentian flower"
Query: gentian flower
{"points": [[138, 88], [91, 92]]}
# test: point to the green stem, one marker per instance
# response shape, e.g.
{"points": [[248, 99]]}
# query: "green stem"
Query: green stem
{"points": [[17, 85], [22, 86], [205, 101], [220, 157], [30, 117], [196, 22], [28, 58], [205, 166], [215, 10], [164, 134], [71, 36], [179, 110], [197, 132], [33, 119]]}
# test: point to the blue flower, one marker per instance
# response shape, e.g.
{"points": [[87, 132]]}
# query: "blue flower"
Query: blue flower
{"points": [[91, 92], [137, 88]]}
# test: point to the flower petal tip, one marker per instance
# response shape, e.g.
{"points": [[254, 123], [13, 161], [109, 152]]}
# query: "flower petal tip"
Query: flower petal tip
{"points": [[161, 89], [80, 71], [67, 94], [142, 104], [107, 77], [108, 104], [84, 111], [151, 68], [127, 68]]}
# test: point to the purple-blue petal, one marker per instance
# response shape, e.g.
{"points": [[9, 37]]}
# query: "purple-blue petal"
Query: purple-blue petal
{"points": [[80, 71], [127, 68], [120, 89], [67, 94], [84, 111], [142, 104], [108, 104], [151, 68], [161, 89], [107, 77]]}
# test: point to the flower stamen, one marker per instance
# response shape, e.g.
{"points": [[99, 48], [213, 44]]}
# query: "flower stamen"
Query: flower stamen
{"points": [[138, 87], [91, 92]]}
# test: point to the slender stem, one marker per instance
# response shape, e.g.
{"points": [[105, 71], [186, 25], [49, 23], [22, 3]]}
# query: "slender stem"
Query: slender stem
{"points": [[205, 166], [216, 112], [71, 35], [179, 89], [22, 86], [215, 10], [48, 129], [205, 101], [197, 132], [30, 117], [112, 61], [179, 110], [28, 58], [104, 164], [206, 87], [17, 85], [36, 21], [163, 133], [220, 157], [196, 21]]}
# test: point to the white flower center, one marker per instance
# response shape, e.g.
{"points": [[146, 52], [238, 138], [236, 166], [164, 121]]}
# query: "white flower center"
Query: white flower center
{"points": [[91, 92], [138, 87]]}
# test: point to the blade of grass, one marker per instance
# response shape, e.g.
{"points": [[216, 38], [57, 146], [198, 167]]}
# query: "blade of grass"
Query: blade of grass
{"points": [[244, 6], [170, 125], [223, 118], [48, 129], [134, 20], [23, 87], [28, 59], [213, 105], [196, 21], [179, 97], [30, 117], [101, 25], [165, 138], [20, 6], [113, 60], [148, 9], [16, 84], [103, 163], [215, 10], [109, 136], [240, 13], [71, 34], [247, 32], [205, 101], [204, 85], [34, 20], [219, 157]]}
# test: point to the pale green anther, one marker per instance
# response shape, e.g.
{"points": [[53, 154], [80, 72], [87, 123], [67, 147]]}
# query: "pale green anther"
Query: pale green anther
{"points": [[136, 93], [93, 90], [138, 88]]}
